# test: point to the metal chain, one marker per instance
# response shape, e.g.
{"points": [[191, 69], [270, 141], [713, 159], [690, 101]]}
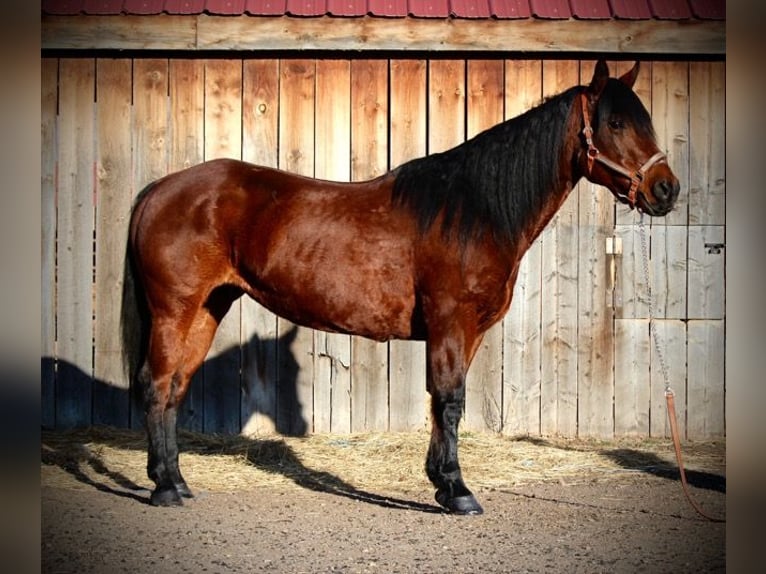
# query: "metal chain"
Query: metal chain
{"points": [[652, 325]]}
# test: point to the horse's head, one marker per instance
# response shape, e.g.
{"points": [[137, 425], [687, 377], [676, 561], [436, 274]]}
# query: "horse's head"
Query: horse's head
{"points": [[620, 149]]}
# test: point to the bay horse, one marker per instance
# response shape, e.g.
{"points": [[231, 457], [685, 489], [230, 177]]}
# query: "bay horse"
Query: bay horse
{"points": [[428, 251]]}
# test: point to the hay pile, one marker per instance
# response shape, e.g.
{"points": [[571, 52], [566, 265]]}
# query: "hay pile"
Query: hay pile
{"points": [[385, 463]]}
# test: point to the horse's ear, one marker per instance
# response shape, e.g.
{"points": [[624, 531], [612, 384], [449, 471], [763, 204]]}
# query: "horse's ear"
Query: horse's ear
{"points": [[597, 84], [629, 78]]}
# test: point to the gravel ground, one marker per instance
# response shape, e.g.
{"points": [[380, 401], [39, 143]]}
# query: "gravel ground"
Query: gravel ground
{"points": [[635, 522]]}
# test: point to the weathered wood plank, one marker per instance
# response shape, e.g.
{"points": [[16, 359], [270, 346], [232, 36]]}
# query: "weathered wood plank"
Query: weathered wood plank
{"points": [[705, 413], [672, 338], [407, 371], [369, 158], [297, 79], [446, 104], [631, 296], [632, 367], [483, 408], [49, 68], [223, 138], [559, 293], [332, 363], [707, 272], [521, 355], [111, 404], [74, 248], [205, 32], [707, 132], [186, 85], [595, 329], [670, 116], [260, 129], [150, 149], [668, 249]]}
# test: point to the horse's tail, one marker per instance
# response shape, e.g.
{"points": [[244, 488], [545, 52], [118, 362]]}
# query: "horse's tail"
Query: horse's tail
{"points": [[135, 320]]}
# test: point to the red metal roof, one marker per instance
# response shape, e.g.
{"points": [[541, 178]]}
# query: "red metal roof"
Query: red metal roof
{"points": [[500, 9]]}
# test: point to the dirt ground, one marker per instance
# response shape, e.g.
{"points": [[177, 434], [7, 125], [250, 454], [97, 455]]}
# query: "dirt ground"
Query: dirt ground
{"points": [[97, 519]]}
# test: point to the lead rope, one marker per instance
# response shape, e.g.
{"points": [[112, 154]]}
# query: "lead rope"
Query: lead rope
{"points": [[669, 395]]}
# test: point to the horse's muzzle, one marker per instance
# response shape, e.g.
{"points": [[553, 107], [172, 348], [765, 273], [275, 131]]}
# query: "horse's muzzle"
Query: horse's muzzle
{"points": [[665, 193]]}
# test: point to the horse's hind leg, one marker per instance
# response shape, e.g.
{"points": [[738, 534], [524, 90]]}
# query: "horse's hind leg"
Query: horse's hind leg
{"points": [[180, 352], [447, 366]]}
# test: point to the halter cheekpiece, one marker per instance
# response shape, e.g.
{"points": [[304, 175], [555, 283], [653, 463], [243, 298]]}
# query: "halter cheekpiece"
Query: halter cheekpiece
{"points": [[593, 154]]}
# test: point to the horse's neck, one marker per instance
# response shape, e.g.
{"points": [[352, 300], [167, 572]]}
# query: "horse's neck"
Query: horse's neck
{"points": [[560, 189]]}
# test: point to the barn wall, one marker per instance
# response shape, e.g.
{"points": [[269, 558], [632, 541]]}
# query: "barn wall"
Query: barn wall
{"points": [[572, 357]]}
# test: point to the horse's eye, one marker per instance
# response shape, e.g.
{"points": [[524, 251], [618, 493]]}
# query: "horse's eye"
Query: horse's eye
{"points": [[616, 123]]}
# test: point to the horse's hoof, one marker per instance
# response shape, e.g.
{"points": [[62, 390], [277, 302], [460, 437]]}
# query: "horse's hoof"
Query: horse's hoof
{"points": [[166, 497], [183, 489], [462, 505]]}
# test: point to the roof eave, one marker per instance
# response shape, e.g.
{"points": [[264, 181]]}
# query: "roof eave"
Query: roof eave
{"points": [[246, 33]]}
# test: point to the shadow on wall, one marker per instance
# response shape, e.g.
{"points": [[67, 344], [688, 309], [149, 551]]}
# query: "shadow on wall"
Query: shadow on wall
{"points": [[252, 385]]}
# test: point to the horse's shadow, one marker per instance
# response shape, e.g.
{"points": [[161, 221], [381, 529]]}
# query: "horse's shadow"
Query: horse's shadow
{"points": [[262, 380], [271, 455]]}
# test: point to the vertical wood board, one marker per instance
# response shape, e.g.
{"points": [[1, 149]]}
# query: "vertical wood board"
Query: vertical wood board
{"points": [[223, 137], [260, 136], [111, 405], [186, 85], [332, 376], [48, 144], [522, 337], [559, 293], [74, 248], [369, 158], [485, 108], [407, 366]]}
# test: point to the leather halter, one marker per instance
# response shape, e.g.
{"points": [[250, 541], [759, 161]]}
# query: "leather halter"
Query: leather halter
{"points": [[593, 154]]}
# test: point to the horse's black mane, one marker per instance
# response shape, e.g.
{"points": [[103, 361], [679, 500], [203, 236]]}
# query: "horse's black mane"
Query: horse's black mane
{"points": [[498, 179]]}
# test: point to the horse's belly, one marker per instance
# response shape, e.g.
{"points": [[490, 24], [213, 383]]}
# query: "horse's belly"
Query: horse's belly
{"points": [[340, 287]]}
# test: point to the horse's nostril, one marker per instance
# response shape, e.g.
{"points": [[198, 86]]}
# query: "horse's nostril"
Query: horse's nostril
{"points": [[663, 190]]}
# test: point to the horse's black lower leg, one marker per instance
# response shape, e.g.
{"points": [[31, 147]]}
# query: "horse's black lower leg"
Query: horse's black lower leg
{"points": [[171, 449], [442, 464], [160, 465]]}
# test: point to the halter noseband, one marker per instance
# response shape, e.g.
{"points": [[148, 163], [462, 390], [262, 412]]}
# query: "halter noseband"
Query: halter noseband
{"points": [[635, 177]]}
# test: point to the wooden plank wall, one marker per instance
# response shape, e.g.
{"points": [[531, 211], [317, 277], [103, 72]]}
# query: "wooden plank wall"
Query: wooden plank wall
{"points": [[573, 357]]}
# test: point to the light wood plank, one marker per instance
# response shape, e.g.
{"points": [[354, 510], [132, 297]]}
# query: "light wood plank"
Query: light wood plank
{"points": [[407, 371], [150, 150], [631, 291], [707, 272], [74, 248], [186, 84], [707, 132], [671, 339], [706, 388], [297, 84], [668, 249], [632, 368], [49, 68], [595, 328], [559, 293], [332, 363], [483, 405], [522, 338], [223, 139], [111, 404], [369, 158], [206, 32], [260, 134], [670, 116], [446, 104]]}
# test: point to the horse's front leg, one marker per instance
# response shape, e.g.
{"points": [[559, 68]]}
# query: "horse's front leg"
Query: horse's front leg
{"points": [[448, 362]]}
